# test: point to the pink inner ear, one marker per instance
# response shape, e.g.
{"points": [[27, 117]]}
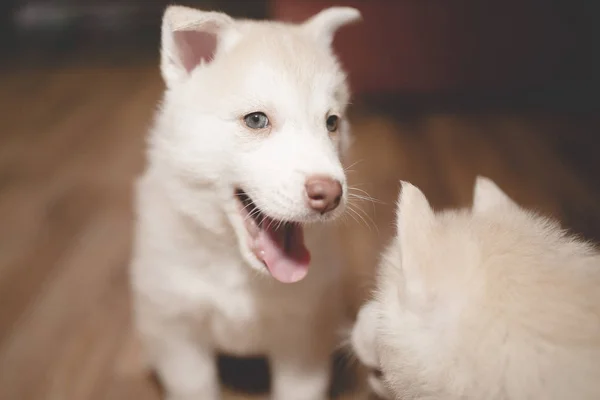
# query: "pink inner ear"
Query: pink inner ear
{"points": [[194, 46]]}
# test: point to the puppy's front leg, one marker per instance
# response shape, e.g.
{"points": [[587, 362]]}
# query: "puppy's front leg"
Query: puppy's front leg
{"points": [[301, 356], [186, 369], [300, 373]]}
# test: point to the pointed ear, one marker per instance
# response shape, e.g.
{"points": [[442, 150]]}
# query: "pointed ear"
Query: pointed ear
{"points": [[189, 36], [324, 25], [487, 195], [415, 220], [414, 215]]}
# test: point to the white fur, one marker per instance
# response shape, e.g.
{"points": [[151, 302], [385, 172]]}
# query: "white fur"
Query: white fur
{"points": [[491, 303], [363, 341], [197, 287]]}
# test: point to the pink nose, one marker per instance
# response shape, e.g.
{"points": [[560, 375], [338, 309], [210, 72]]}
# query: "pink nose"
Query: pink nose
{"points": [[323, 194]]}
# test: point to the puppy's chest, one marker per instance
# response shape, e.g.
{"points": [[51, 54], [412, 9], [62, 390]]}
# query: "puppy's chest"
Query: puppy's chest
{"points": [[243, 313], [235, 323], [225, 304]]}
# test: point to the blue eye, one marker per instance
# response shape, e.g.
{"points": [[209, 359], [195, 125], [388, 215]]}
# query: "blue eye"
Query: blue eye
{"points": [[332, 123], [256, 120]]}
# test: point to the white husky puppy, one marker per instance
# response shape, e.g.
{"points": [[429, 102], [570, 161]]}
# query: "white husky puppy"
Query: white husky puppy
{"points": [[245, 151], [490, 303]]}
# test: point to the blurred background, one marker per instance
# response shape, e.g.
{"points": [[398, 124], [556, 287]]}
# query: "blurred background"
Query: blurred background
{"points": [[444, 91]]}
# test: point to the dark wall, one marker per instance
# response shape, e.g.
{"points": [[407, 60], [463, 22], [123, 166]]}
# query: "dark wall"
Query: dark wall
{"points": [[441, 46], [48, 30], [523, 49]]}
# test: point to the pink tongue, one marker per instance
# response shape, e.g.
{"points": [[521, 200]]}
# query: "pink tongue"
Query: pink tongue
{"points": [[286, 265]]}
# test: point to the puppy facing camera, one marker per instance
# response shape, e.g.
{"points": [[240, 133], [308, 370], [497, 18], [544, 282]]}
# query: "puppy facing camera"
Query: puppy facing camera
{"points": [[243, 176]]}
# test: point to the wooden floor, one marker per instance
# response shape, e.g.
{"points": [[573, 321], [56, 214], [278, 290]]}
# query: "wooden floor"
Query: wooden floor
{"points": [[71, 141]]}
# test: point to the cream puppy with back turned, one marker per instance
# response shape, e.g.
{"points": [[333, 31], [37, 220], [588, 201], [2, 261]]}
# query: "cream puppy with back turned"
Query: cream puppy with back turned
{"points": [[493, 303], [243, 175]]}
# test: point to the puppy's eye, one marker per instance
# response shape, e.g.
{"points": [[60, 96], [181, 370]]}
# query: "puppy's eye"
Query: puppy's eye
{"points": [[256, 120], [332, 123]]}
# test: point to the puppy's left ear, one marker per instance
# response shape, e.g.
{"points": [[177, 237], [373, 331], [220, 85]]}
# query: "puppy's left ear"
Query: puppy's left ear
{"points": [[189, 37], [414, 217], [326, 23], [415, 221]]}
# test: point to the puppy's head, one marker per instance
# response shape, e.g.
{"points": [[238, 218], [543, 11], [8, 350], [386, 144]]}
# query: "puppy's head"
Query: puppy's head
{"points": [[255, 111]]}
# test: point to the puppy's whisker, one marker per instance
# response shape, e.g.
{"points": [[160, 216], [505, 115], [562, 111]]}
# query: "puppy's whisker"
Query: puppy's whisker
{"points": [[363, 195], [362, 199], [353, 164], [364, 212], [360, 219], [359, 213], [250, 214], [369, 218], [351, 215], [280, 223], [253, 215]]}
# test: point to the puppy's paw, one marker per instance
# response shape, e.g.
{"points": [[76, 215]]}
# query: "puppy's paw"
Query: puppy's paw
{"points": [[301, 386], [194, 396], [300, 396]]}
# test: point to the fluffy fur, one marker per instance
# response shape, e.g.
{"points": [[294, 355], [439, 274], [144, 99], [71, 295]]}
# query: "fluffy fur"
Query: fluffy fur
{"points": [[490, 303], [198, 288]]}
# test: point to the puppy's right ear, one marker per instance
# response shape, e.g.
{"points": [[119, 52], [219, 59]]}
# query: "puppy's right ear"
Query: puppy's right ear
{"points": [[188, 37], [326, 23], [487, 195]]}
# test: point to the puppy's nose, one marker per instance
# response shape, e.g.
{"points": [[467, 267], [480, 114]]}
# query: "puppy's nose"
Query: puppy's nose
{"points": [[323, 193]]}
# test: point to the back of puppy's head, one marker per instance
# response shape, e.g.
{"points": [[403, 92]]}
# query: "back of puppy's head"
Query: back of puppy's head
{"points": [[497, 279]]}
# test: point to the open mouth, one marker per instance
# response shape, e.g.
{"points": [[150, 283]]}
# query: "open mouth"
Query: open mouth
{"points": [[279, 245]]}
